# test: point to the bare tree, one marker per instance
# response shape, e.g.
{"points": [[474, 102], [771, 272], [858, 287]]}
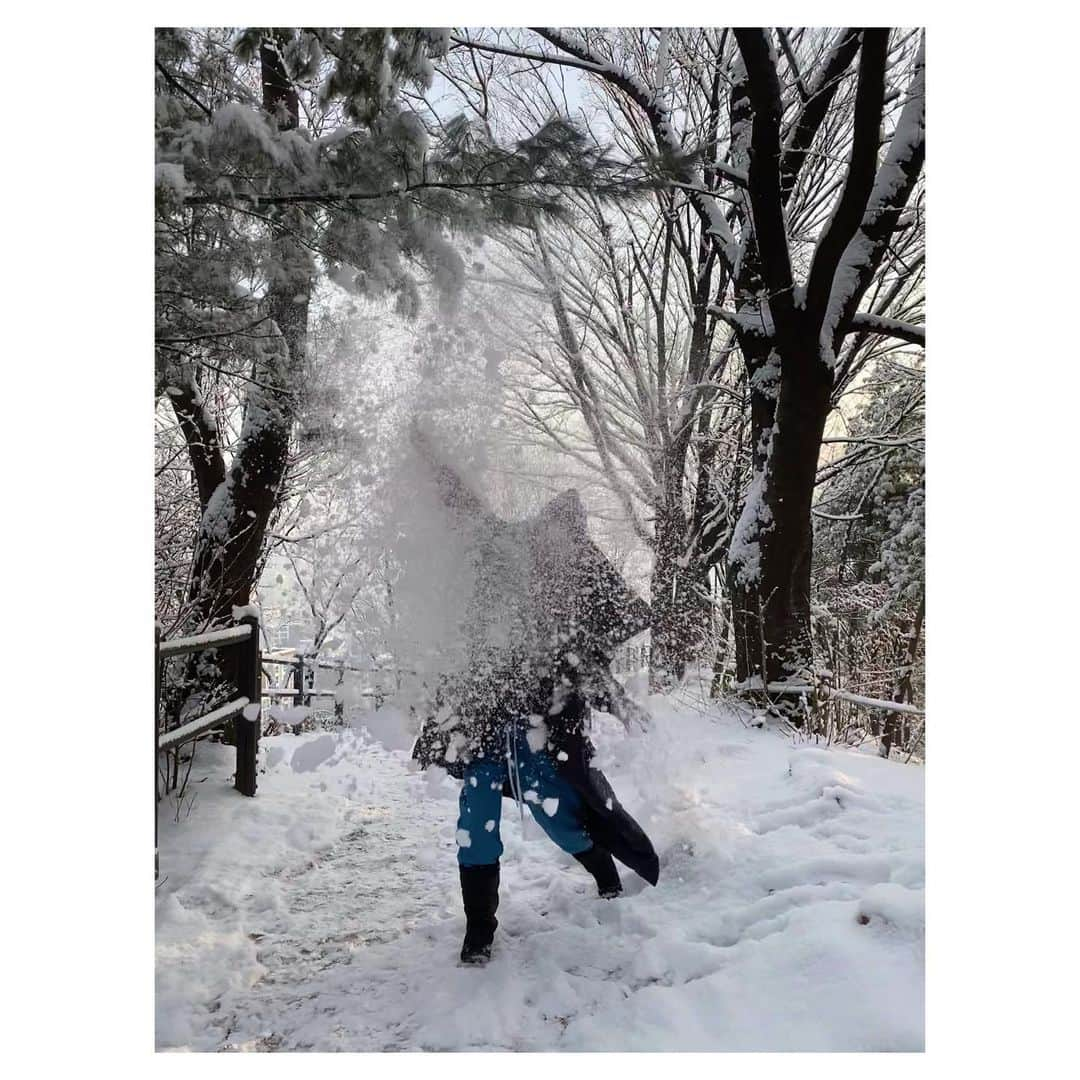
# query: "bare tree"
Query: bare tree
{"points": [[625, 367], [801, 213]]}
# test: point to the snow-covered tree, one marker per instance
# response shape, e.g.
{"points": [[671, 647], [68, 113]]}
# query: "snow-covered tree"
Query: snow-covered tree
{"points": [[617, 361], [237, 246], [804, 177], [283, 155], [869, 552]]}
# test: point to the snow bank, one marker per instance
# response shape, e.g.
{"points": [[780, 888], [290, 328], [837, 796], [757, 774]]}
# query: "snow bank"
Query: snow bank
{"points": [[220, 856], [325, 915], [389, 725], [310, 755]]}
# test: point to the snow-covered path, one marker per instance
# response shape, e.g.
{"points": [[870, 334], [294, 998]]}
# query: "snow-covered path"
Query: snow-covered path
{"points": [[325, 914]]}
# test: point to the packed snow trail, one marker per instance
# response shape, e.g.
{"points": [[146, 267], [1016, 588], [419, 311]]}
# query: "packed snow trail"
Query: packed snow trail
{"points": [[325, 914]]}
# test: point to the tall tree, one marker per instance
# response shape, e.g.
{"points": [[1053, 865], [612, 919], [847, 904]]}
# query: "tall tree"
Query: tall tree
{"points": [[238, 240], [283, 155], [628, 368], [799, 330], [801, 213]]}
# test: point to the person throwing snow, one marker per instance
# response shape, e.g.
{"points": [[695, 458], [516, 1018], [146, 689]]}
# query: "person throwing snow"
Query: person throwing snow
{"points": [[547, 611]]}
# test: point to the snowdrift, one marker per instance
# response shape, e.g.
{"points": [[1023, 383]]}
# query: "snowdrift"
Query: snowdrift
{"points": [[325, 915]]}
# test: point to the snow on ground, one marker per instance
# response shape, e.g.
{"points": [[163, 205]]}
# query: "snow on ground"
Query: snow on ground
{"points": [[325, 914]]}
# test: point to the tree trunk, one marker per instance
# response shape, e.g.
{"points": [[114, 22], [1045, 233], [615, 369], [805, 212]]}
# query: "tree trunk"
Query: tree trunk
{"points": [[787, 549], [743, 561], [770, 565], [238, 511], [680, 609]]}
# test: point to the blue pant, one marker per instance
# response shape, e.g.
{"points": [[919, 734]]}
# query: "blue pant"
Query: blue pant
{"points": [[554, 803]]}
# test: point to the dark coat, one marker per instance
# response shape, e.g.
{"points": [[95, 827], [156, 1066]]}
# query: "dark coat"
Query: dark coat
{"points": [[547, 612], [606, 820]]}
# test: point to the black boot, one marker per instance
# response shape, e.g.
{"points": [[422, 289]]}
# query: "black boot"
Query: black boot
{"points": [[601, 865], [480, 894]]}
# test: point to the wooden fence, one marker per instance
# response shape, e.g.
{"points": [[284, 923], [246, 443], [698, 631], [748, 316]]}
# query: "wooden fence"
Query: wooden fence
{"points": [[629, 659], [250, 668], [303, 669], [244, 638]]}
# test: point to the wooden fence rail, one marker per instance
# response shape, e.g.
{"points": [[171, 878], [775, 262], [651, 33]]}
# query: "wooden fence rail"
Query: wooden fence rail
{"points": [[302, 666], [628, 659], [186, 732], [823, 689], [212, 639]]}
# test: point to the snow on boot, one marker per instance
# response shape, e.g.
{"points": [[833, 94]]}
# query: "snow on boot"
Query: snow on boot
{"points": [[480, 895], [601, 865]]}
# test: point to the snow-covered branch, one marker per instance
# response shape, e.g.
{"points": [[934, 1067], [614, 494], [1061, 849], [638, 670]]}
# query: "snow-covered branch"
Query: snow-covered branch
{"points": [[864, 321], [862, 166], [770, 232], [814, 110], [895, 181], [667, 141]]}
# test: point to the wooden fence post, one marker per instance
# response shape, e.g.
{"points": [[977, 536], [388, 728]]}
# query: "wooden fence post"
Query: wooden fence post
{"points": [[157, 702], [301, 677], [248, 683], [339, 697]]}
